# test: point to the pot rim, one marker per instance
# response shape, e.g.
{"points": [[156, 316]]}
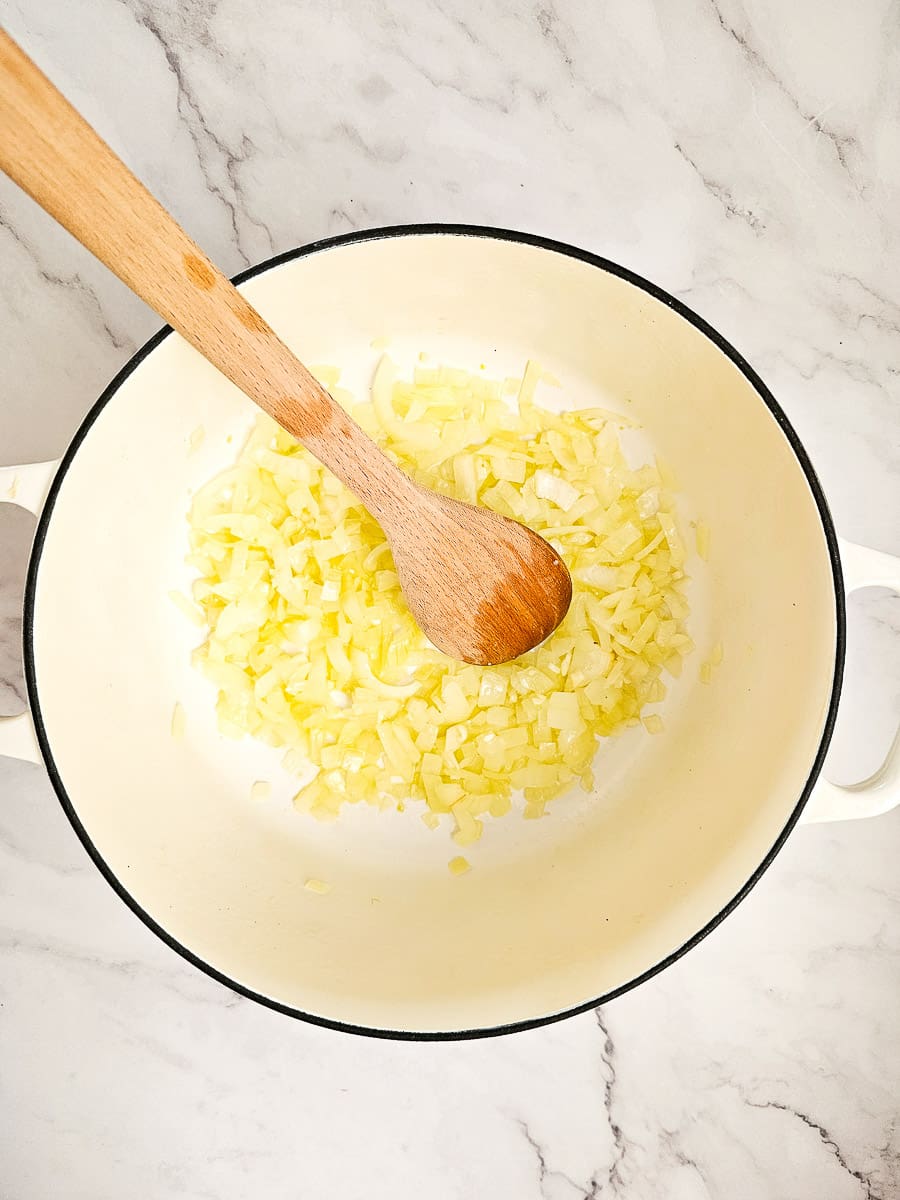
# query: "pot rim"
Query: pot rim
{"points": [[459, 230]]}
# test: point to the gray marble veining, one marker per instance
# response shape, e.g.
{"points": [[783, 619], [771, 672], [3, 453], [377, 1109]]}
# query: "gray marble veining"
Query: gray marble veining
{"points": [[744, 156]]}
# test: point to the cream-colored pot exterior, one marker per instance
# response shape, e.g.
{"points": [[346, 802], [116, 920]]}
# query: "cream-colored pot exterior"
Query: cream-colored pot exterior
{"points": [[558, 912]]}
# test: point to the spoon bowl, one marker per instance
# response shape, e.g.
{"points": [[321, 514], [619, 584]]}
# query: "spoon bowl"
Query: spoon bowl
{"points": [[484, 588]]}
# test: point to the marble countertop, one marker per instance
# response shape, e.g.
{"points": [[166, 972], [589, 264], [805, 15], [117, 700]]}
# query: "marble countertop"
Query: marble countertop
{"points": [[745, 157]]}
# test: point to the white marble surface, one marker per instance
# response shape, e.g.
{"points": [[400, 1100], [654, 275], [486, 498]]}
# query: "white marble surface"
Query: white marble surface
{"points": [[745, 156]]}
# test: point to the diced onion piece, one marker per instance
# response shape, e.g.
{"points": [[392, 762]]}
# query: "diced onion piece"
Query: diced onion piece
{"points": [[328, 376], [563, 712], [528, 386], [318, 886], [647, 504], [702, 539], [191, 611], [179, 722], [548, 486], [468, 828], [708, 667], [670, 529]]}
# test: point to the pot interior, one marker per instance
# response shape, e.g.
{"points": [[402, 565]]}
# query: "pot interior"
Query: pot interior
{"points": [[555, 912]]}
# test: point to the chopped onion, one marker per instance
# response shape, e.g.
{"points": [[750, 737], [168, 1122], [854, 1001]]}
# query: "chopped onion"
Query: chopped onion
{"points": [[313, 649]]}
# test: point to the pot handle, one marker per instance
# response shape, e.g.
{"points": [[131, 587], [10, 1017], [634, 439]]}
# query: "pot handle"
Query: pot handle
{"points": [[26, 486], [881, 791]]}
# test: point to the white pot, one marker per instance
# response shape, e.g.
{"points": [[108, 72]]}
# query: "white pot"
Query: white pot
{"points": [[557, 914]]}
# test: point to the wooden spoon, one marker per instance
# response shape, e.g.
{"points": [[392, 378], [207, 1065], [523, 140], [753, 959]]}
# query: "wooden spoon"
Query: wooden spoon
{"points": [[483, 588]]}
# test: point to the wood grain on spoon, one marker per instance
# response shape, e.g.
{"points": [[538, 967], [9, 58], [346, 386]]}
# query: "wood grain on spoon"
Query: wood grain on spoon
{"points": [[484, 589]]}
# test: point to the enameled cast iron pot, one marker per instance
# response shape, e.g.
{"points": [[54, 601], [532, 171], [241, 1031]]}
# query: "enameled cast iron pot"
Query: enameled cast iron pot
{"points": [[558, 914]]}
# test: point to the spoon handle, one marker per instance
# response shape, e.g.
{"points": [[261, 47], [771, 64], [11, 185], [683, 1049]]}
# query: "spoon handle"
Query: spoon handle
{"points": [[51, 152]]}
